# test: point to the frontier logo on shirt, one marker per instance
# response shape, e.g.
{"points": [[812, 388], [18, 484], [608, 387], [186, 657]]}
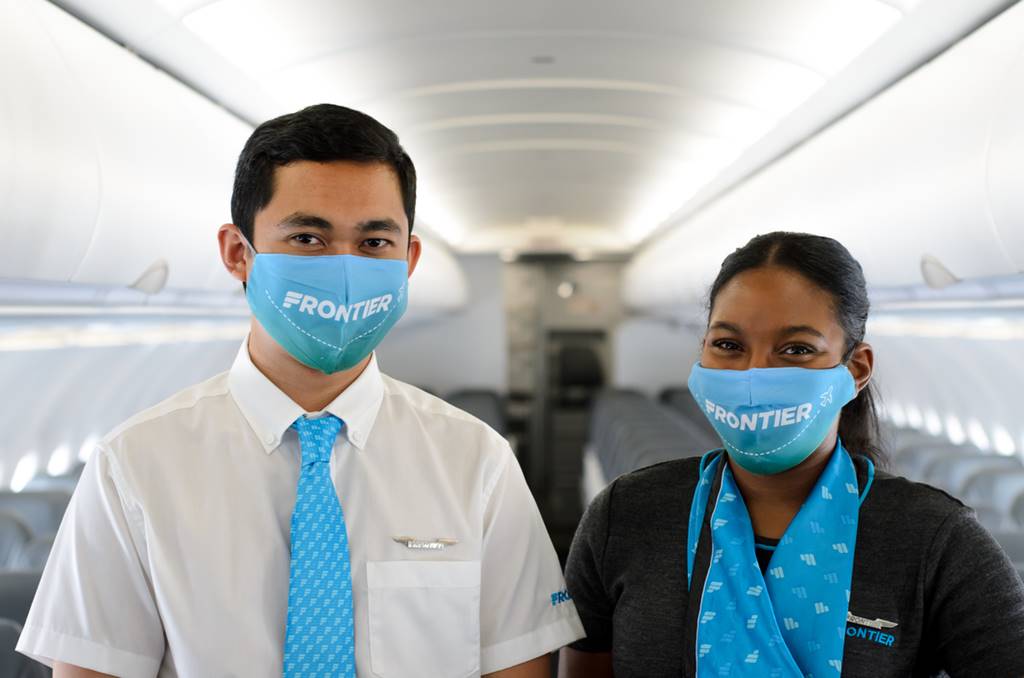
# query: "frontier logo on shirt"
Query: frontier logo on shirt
{"points": [[870, 629], [328, 310]]}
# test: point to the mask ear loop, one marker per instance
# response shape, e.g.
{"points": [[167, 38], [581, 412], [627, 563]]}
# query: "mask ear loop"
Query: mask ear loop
{"points": [[247, 243], [251, 249]]}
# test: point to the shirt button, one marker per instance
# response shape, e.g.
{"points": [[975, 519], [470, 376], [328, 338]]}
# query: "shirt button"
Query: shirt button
{"points": [[269, 439]]}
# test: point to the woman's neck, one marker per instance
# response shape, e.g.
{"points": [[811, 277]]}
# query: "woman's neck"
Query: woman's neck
{"points": [[774, 500]]}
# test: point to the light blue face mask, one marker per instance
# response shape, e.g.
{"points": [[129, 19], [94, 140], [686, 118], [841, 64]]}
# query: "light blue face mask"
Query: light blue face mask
{"points": [[328, 311], [771, 419]]}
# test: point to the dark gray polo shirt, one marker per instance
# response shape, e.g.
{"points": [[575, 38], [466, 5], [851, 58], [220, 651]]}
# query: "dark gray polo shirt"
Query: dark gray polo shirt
{"points": [[922, 561]]}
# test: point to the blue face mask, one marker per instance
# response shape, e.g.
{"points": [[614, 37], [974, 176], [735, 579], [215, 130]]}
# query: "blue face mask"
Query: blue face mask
{"points": [[328, 311], [771, 419]]}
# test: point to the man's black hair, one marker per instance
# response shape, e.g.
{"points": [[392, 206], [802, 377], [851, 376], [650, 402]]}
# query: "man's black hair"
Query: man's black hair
{"points": [[321, 133]]}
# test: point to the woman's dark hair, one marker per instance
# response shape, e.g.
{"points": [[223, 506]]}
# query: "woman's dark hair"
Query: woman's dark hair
{"points": [[830, 266], [321, 133]]}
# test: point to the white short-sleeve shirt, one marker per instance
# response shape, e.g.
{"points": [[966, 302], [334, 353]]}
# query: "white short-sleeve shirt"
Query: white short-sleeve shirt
{"points": [[173, 557]]}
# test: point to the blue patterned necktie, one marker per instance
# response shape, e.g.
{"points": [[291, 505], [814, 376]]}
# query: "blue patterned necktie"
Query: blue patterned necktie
{"points": [[320, 638]]}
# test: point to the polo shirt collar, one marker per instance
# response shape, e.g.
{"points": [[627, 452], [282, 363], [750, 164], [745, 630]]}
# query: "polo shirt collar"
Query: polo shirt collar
{"points": [[270, 412]]}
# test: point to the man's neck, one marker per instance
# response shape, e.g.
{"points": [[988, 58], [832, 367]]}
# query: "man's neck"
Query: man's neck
{"points": [[311, 389], [773, 501]]}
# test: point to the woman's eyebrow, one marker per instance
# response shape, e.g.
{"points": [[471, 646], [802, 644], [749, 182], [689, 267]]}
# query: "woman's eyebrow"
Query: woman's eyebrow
{"points": [[728, 327], [800, 329]]}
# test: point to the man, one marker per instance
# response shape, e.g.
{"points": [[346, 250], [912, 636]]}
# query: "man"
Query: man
{"points": [[302, 514]]}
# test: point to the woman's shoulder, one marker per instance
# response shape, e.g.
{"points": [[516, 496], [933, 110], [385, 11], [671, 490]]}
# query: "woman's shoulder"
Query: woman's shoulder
{"points": [[898, 495], [669, 483]]}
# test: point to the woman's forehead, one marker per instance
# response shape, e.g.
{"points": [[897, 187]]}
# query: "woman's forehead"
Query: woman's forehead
{"points": [[773, 297]]}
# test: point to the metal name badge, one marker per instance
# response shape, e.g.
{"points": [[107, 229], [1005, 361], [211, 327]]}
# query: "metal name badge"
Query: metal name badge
{"points": [[871, 623], [438, 544]]}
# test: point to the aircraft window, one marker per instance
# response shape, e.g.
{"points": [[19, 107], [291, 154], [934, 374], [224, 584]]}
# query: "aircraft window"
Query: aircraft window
{"points": [[1002, 441], [60, 460], [933, 422], [914, 418], [977, 435], [87, 448], [24, 471], [895, 414], [955, 430]]}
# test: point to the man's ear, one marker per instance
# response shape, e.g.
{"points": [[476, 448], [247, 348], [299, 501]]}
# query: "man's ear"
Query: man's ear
{"points": [[862, 365], [234, 252], [415, 249]]}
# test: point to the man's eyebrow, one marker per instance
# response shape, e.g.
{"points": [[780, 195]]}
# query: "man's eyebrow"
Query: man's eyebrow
{"points": [[303, 220], [380, 225], [799, 329]]}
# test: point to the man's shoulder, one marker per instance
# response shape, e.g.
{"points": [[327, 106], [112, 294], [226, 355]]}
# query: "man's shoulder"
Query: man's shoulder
{"points": [[190, 402], [433, 411]]}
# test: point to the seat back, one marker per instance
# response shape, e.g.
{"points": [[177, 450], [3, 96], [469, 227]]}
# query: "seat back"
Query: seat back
{"points": [[485, 405], [33, 554], [17, 589], [14, 535], [41, 511], [952, 475], [12, 664]]}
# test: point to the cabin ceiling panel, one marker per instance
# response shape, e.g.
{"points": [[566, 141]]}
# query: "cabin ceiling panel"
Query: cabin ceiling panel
{"points": [[470, 84]]}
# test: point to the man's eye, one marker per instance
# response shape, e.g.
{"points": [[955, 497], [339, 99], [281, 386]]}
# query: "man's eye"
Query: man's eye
{"points": [[375, 243], [306, 239]]}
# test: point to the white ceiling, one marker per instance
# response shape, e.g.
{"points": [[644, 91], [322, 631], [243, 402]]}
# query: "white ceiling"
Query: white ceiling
{"points": [[534, 124]]}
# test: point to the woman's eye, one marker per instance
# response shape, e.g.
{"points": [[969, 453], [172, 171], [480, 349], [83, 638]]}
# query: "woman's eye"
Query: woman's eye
{"points": [[798, 350], [726, 345]]}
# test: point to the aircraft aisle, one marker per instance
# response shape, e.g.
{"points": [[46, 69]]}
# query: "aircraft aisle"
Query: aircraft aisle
{"points": [[583, 171]]}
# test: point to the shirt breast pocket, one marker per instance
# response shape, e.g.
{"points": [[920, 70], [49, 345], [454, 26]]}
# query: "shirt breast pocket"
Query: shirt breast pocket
{"points": [[424, 618]]}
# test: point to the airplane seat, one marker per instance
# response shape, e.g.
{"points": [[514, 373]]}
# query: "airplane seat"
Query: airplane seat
{"points": [[12, 664], [14, 535], [1012, 543], [17, 589], [630, 431], [913, 461], [1018, 512], [33, 553], [483, 404], [997, 490], [580, 376], [990, 518], [45, 483], [41, 511], [953, 474], [679, 400], [900, 439]]}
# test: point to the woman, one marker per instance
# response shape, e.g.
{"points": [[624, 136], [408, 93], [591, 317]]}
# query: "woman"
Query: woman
{"points": [[786, 553]]}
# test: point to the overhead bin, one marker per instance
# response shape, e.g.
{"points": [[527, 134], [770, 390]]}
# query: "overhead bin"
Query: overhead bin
{"points": [[437, 286], [110, 165], [929, 167], [112, 168]]}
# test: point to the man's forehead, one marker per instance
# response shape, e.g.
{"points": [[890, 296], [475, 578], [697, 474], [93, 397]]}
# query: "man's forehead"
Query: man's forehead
{"points": [[336, 195]]}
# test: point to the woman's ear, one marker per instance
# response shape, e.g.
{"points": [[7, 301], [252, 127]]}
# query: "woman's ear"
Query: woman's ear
{"points": [[862, 364]]}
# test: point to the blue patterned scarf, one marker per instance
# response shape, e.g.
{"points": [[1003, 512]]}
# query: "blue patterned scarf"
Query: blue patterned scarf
{"points": [[792, 622]]}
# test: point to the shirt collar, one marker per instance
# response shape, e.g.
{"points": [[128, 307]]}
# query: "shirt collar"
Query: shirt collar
{"points": [[270, 412]]}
